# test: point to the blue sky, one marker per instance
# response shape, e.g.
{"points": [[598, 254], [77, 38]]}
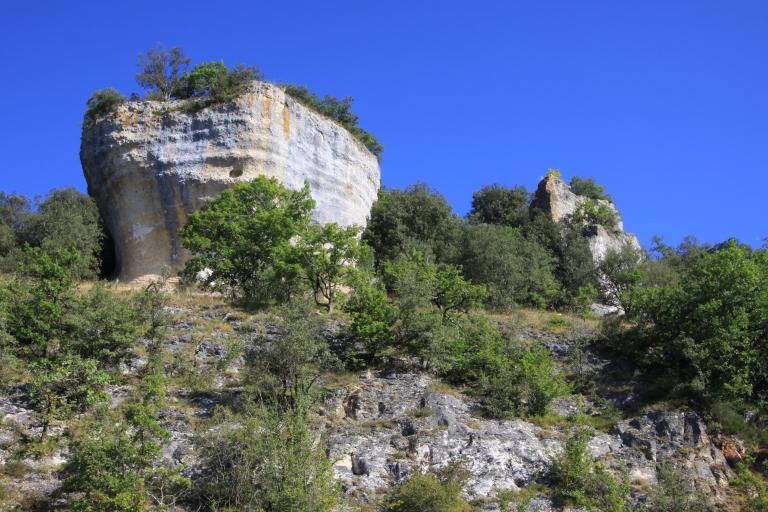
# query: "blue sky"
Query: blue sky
{"points": [[664, 102]]}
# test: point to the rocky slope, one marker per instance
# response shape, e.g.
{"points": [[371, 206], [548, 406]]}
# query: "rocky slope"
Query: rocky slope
{"points": [[555, 197], [381, 426], [150, 164]]}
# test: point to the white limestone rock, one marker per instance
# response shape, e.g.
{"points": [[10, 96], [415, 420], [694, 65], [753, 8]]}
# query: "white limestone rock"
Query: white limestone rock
{"points": [[150, 164]]}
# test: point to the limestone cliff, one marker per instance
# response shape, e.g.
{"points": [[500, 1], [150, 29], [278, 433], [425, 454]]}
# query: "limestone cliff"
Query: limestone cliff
{"points": [[555, 197], [150, 164]]}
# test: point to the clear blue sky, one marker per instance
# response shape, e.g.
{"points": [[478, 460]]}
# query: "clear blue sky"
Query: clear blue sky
{"points": [[664, 102]]}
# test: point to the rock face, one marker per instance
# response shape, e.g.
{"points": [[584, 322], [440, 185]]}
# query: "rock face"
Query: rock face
{"points": [[150, 164], [555, 197]]}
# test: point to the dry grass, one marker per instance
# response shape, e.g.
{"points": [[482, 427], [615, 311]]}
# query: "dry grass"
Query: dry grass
{"points": [[542, 320]]}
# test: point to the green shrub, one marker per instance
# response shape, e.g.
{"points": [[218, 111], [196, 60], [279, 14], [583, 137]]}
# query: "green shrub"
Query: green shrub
{"points": [[268, 462], [517, 271], [41, 294], [588, 188], [495, 204], [591, 212], [417, 218], [372, 318], [216, 81], [524, 384], [102, 325], [64, 385], [328, 255], [579, 481], [431, 492], [754, 487], [243, 239], [709, 328], [102, 102]]}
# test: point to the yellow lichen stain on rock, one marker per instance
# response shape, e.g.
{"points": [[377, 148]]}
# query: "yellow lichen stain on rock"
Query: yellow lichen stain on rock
{"points": [[266, 113], [286, 122], [350, 190]]}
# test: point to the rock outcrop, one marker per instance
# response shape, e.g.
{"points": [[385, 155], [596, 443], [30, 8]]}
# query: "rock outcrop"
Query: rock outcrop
{"points": [[555, 197], [150, 164]]}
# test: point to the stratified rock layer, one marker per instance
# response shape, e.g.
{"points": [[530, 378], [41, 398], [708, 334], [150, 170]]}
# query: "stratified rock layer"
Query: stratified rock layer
{"points": [[150, 164], [555, 197]]}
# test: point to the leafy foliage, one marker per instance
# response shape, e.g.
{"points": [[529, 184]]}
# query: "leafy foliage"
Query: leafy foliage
{"points": [[65, 385], [160, 71], [580, 482], [524, 384], [676, 492], [591, 212], [216, 81], [588, 188], [241, 241], [328, 255], [709, 328], [339, 110], [495, 204], [415, 218], [431, 492], [517, 270], [372, 318]]}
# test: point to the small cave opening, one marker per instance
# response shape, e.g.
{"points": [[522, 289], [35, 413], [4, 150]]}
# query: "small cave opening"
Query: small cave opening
{"points": [[235, 173], [108, 256]]}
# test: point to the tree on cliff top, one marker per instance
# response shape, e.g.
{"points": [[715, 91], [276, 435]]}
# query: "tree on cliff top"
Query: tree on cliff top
{"points": [[242, 242], [161, 71]]}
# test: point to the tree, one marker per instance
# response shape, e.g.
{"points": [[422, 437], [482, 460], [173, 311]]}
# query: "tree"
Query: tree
{"points": [[454, 293], [620, 273], [161, 70], [372, 317], [592, 212], [42, 293], [328, 255], [64, 385], [709, 329], [67, 219], [241, 240], [415, 218], [495, 204], [515, 269]]}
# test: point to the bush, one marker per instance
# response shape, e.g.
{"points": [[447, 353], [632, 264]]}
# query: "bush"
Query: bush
{"points": [[102, 102], [621, 273], [495, 204], [516, 270], [286, 368], [578, 481], [590, 212], [588, 188], [524, 384], [415, 218], [242, 239], [65, 385], [102, 325], [431, 492], [216, 81], [339, 110], [268, 462]]}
